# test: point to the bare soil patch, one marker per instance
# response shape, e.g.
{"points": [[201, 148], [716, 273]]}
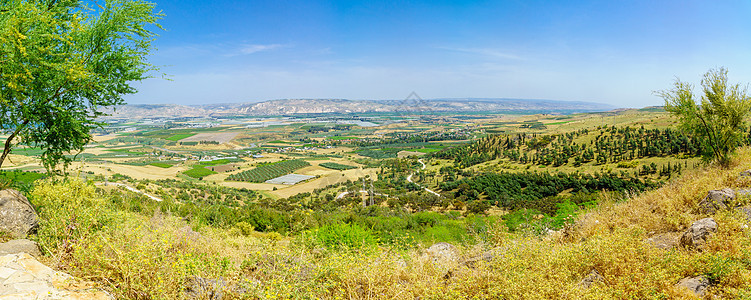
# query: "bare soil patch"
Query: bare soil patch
{"points": [[219, 137], [403, 154]]}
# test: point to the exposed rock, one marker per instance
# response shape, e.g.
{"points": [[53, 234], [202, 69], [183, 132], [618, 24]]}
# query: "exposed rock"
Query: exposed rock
{"points": [[746, 211], [484, 257], [473, 261], [17, 216], [697, 285], [18, 246], [401, 264], [594, 277], [573, 232], [742, 192], [202, 288], [746, 173], [717, 200], [186, 233], [696, 235], [23, 277], [443, 252], [667, 240]]}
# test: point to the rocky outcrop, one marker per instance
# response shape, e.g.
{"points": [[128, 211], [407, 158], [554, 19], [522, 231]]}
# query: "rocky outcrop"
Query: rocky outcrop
{"points": [[696, 285], [17, 216], [696, 236], [717, 200], [23, 277], [745, 212], [18, 246], [485, 257], [666, 240], [593, 278], [442, 253], [202, 288]]}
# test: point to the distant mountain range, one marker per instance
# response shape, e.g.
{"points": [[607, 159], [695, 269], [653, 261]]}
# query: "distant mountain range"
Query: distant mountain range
{"points": [[343, 106]]}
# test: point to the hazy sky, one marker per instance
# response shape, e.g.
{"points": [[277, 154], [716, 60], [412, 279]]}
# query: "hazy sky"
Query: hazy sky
{"points": [[614, 52]]}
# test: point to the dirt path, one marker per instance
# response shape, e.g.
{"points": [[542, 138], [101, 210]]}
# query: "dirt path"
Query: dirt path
{"points": [[409, 179], [130, 188]]}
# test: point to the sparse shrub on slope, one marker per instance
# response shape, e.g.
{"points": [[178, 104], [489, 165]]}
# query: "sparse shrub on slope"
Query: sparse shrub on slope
{"points": [[133, 256], [141, 257]]}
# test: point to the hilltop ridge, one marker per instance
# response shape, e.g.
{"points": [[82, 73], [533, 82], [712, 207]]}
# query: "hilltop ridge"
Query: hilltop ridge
{"points": [[344, 106]]}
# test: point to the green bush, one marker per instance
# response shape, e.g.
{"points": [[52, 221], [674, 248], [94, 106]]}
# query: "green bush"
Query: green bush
{"points": [[345, 236], [68, 211], [245, 228]]}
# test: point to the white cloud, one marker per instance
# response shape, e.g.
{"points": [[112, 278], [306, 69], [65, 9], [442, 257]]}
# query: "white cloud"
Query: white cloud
{"points": [[495, 53], [250, 49]]}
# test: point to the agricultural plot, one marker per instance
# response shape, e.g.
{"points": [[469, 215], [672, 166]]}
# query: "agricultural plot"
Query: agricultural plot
{"points": [[219, 137], [180, 136], [199, 172], [337, 166], [223, 168], [270, 171], [289, 179], [161, 164], [379, 154]]}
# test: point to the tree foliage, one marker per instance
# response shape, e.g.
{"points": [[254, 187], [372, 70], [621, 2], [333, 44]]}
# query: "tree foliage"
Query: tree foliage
{"points": [[61, 61], [718, 120]]}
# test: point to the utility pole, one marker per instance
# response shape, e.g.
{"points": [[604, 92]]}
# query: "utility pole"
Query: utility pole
{"points": [[371, 191], [364, 201]]}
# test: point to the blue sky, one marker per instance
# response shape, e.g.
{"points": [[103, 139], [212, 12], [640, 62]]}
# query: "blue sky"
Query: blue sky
{"points": [[614, 52]]}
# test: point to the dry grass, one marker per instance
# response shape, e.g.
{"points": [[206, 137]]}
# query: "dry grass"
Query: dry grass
{"points": [[140, 257]]}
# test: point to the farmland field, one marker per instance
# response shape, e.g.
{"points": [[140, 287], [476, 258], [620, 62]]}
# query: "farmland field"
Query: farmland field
{"points": [[199, 172], [270, 171], [336, 166], [161, 164], [180, 136], [219, 137]]}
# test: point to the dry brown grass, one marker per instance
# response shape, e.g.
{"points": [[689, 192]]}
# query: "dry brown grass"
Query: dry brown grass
{"points": [[611, 239]]}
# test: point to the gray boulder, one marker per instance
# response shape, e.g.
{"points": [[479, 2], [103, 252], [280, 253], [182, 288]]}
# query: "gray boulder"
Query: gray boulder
{"points": [[594, 277], [717, 200], [696, 236], [474, 261], [442, 252], [666, 240], [203, 288], [745, 212], [17, 217], [18, 246], [697, 285]]}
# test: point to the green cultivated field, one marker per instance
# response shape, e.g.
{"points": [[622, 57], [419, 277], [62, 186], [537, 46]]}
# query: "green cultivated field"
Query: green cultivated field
{"points": [[337, 166], [270, 171], [199, 172], [181, 136]]}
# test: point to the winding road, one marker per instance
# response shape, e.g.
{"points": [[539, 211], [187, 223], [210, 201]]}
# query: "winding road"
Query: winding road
{"points": [[409, 179]]}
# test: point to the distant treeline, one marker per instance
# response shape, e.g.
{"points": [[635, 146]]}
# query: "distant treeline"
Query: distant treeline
{"points": [[609, 145]]}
